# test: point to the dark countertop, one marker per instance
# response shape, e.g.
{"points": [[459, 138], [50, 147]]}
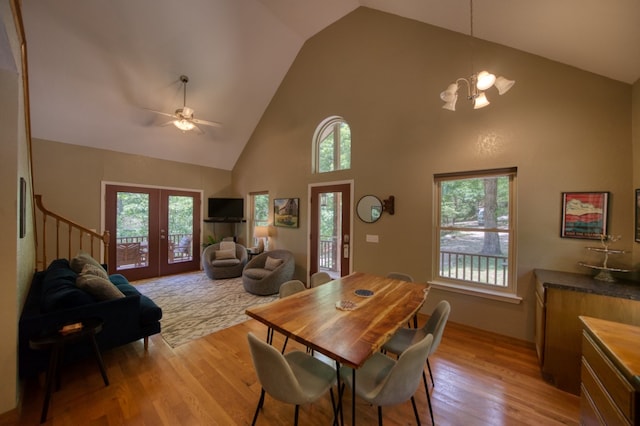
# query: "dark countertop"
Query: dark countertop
{"points": [[587, 284]]}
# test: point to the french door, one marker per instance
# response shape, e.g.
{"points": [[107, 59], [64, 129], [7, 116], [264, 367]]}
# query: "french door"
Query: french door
{"points": [[330, 229], [153, 231]]}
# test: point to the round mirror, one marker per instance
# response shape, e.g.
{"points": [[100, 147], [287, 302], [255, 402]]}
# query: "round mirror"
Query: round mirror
{"points": [[369, 208]]}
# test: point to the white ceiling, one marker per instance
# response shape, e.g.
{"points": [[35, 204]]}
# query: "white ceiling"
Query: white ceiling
{"points": [[95, 65]]}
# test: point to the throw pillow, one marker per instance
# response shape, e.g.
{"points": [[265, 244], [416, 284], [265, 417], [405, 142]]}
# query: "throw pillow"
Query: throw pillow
{"points": [[81, 259], [228, 245], [272, 263], [225, 254], [99, 288], [94, 270]]}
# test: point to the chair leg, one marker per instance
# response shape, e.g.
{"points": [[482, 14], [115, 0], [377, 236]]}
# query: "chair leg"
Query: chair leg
{"points": [[333, 405], [295, 419], [286, 340], [430, 408], [379, 415], [260, 403], [415, 410], [430, 373], [426, 385]]}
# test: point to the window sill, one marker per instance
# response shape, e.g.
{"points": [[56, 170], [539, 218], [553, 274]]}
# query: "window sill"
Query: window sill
{"points": [[478, 292]]}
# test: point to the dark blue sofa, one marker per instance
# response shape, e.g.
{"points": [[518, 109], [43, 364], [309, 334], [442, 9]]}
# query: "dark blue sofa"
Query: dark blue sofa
{"points": [[54, 301]]}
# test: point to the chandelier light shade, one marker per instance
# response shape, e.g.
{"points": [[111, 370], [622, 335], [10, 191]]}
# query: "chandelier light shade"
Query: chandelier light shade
{"points": [[476, 84], [184, 125]]}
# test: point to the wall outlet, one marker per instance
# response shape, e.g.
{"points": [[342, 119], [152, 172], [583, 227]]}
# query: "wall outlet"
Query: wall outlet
{"points": [[372, 238]]}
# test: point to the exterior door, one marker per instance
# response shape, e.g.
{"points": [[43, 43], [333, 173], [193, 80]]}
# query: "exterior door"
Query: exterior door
{"points": [[330, 229], [154, 232]]}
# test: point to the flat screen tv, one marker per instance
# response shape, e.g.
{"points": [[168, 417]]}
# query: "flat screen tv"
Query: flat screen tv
{"points": [[226, 208]]}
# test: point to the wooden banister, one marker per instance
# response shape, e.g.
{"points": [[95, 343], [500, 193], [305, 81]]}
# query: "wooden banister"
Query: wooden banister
{"points": [[68, 238]]}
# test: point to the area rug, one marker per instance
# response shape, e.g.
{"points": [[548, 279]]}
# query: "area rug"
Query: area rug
{"points": [[194, 305]]}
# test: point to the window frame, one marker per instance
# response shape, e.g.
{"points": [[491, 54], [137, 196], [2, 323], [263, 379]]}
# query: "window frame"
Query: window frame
{"points": [[329, 125], [253, 224], [507, 293]]}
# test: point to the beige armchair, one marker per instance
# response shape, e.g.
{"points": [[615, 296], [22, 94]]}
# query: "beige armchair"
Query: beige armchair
{"points": [[218, 265]]}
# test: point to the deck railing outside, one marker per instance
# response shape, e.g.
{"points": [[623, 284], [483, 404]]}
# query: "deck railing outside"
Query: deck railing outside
{"points": [[480, 268], [327, 258]]}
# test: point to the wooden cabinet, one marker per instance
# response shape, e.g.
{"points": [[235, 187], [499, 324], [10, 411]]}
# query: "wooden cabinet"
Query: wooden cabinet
{"points": [[610, 386], [561, 297]]}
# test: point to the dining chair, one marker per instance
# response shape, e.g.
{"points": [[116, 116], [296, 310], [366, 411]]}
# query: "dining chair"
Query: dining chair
{"points": [[405, 337], [295, 378], [384, 381], [404, 277], [287, 289], [319, 278]]}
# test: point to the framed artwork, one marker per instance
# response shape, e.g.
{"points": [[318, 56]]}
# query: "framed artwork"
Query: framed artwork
{"points": [[286, 212], [637, 233], [23, 207], [584, 215]]}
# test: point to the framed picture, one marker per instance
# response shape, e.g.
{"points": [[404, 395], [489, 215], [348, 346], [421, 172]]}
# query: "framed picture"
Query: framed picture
{"points": [[286, 212], [23, 207], [637, 233], [584, 214]]}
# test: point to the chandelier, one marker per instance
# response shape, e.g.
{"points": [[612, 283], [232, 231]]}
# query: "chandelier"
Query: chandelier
{"points": [[476, 84]]}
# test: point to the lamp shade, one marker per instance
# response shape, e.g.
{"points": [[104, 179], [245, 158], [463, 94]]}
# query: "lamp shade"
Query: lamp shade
{"points": [[485, 80], [261, 232], [480, 101], [451, 94], [503, 85], [451, 104]]}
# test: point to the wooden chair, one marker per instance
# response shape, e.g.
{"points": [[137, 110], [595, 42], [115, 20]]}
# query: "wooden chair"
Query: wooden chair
{"points": [[128, 254]]}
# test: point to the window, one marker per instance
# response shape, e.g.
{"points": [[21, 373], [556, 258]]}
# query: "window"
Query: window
{"points": [[476, 231], [259, 209], [332, 146]]}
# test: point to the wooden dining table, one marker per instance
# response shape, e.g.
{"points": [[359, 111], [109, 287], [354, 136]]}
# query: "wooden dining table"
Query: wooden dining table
{"points": [[317, 319]]}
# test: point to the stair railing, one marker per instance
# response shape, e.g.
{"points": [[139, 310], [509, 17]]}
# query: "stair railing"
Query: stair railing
{"points": [[59, 237]]}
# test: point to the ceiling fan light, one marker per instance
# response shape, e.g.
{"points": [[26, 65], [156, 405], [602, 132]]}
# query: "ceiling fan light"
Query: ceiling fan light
{"points": [[184, 125], [503, 85], [485, 80], [480, 101]]}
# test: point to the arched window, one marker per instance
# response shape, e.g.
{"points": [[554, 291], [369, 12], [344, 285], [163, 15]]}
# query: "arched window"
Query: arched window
{"points": [[332, 146]]}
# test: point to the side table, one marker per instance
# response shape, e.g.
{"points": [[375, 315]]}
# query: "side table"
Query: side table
{"points": [[56, 343]]}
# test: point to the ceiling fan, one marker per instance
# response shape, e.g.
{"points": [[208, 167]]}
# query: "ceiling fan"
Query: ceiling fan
{"points": [[183, 117]]}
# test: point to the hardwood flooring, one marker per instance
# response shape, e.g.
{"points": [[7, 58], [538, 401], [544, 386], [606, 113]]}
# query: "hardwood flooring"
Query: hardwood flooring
{"points": [[481, 379]]}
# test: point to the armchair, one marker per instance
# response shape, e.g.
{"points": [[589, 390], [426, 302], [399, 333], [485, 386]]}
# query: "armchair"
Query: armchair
{"points": [[262, 277], [222, 266]]}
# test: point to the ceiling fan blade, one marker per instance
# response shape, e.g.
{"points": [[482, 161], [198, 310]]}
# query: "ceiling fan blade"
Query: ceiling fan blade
{"points": [[161, 113], [206, 123]]}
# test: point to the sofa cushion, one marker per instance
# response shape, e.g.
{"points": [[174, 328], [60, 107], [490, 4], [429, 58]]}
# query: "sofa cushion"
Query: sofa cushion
{"points": [[100, 288], [90, 269], [81, 259], [225, 254], [272, 263], [149, 311], [256, 273], [59, 290]]}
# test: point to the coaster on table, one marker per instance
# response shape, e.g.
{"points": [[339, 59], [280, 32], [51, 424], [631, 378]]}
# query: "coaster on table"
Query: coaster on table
{"points": [[363, 292], [346, 305]]}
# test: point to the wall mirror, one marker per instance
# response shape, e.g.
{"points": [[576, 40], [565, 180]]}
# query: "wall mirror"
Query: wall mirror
{"points": [[370, 208]]}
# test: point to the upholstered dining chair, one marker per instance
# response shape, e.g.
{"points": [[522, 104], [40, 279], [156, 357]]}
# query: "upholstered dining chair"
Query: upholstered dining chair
{"points": [[383, 381], [404, 277], [405, 337], [295, 378], [319, 278]]}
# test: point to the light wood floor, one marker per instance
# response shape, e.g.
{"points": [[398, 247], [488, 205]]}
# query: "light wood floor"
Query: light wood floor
{"points": [[481, 379]]}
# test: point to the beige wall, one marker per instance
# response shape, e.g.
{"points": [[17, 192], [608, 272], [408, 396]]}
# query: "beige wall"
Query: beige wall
{"points": [[565, 130], [17, 256], [70, 178]]}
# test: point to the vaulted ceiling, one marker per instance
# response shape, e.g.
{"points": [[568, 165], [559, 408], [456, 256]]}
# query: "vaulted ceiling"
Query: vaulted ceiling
{"points": [[96, 67]]}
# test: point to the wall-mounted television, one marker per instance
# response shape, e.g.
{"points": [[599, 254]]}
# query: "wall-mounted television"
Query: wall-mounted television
{"points": [[226, 209]]}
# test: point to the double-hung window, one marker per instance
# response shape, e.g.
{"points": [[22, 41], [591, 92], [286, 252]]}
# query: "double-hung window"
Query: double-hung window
{"points": [[475, 232]]}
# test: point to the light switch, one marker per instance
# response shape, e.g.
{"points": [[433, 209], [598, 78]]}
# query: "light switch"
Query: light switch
{"points": [[372, 238]]}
